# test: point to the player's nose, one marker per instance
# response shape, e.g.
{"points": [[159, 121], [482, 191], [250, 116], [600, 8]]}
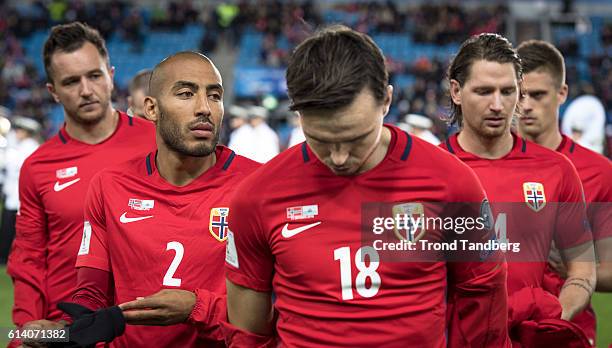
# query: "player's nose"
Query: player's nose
{"points": [[496, 103], [86, 88], [526, 104], [202, 107], [338, 155]]}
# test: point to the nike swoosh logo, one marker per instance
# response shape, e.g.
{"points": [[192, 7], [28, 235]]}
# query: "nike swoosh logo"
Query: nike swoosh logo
{"points": [[58, 187], [287, 233], [126, 220]]}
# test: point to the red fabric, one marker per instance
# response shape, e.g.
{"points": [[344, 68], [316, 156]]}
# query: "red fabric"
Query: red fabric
{"points": [[208, 313], [474, 304], [534, 321], [560, 216], [532, 304], [52, 188], [595, 172], [585, 319], [238, 338], [319, 303], [94, 289], [551, 333], [153, 235]]}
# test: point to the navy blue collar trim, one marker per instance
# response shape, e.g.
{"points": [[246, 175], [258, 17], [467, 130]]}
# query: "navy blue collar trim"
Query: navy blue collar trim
{"points": [[229, 160], [149, 166], [61, 136], [449, 146], [407, 148], [305, 153]]}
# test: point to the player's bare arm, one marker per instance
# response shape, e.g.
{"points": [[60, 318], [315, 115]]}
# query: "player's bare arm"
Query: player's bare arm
{"points": [[250, 310], [581, 279], [603, 248], [166, 307]]}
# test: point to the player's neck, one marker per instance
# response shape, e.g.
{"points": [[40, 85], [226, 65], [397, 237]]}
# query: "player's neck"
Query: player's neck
{"points": [[485, 147], [550, 138], [93, 133], [178, 169], [379, 152]]}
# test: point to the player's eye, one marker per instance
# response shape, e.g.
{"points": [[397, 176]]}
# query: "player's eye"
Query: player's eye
{"points": [[70, 82], [508, 91], [185, 94], [483, 91], [215, 96]]}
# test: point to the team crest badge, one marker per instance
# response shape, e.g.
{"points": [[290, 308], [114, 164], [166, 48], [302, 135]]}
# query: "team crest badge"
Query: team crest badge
{"points": [[218, 226], [415, 228], [534, 195]]}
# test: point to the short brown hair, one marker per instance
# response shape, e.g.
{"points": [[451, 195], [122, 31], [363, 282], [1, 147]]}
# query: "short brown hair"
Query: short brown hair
{"points": [[541, 55], [487, 46], [69, 38], [330, 68], [140, 81]]}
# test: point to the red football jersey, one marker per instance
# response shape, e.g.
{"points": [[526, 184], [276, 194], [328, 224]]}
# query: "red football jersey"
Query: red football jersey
{"points": [[52, 187], [536, 197], [152, 235], [297, 231], [595, 172]]}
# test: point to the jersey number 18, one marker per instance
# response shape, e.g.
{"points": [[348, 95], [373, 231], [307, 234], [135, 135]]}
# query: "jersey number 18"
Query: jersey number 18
{"points": [[365, 271]]}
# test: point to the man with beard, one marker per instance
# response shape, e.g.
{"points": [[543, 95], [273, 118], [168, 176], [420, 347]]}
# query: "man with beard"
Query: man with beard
{"points": [[160, 221], [535, 192], [54, 179]]}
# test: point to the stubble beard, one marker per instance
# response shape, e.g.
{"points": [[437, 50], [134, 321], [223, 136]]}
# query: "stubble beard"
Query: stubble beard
{"points": [[170, 133]]}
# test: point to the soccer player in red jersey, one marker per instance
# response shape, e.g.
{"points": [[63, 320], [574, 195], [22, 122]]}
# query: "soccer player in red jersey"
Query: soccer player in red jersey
{"points": [[54, 179], [537, 191], [544, 91], [298, 231], [160, 221]]}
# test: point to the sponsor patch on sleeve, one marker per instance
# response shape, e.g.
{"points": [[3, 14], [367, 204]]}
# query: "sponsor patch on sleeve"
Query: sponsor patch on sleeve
{"points": [[231, 254], [84, 249]]}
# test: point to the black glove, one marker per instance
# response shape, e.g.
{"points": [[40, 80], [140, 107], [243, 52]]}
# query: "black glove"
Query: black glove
{"points": [[90, 327]]}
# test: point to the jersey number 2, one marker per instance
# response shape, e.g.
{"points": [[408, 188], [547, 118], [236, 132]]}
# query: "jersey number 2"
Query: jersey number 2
{"points": [[365, 271], [169, 279]]}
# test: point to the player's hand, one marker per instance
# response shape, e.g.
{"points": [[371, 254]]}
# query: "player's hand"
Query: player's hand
{"points": [[556, 262], [166, 307], [39, 325]]}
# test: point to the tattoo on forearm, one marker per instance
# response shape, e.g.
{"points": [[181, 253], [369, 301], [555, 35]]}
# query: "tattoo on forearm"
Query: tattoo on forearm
{"points": [[587, 288]]}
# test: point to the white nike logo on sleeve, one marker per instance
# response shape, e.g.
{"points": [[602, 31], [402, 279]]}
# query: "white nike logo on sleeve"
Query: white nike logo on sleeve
{"points": [[58, 187], [287, 233], [126, 220]]}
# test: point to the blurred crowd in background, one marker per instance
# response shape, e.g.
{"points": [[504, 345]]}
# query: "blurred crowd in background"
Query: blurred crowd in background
{"points": [[419, 105]]}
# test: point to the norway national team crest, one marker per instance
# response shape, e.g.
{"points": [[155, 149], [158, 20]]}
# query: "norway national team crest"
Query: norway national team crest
{"points": [[219, 226], [534, 195], [415, 214]]}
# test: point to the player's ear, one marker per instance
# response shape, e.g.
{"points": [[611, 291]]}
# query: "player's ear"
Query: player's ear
{"points": [[455, 91], [388, 99], [151, 111], [51, 89], [562, 94]]}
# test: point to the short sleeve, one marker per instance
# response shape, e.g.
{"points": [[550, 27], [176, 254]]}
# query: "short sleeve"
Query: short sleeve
{"points": [[571, 227], [93, 251], [249, 261], [600, 209]]}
